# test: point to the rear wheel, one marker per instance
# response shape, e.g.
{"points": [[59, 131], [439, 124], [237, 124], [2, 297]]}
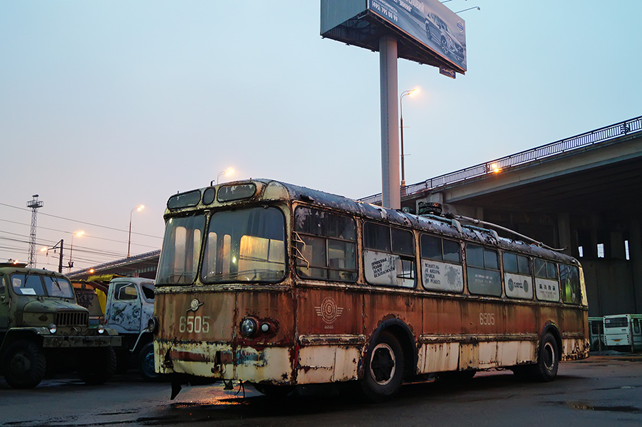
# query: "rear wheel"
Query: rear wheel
{"points": [[97, 365], [384, 369], [547, 360], [24, 364]]}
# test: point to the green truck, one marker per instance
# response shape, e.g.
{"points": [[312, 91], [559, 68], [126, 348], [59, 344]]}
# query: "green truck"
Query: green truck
{"points": [[44, 331]]}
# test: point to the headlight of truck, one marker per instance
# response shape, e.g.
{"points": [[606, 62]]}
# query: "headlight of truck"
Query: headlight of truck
{"points": [[152, 325], [52, 328], [101, 329]]}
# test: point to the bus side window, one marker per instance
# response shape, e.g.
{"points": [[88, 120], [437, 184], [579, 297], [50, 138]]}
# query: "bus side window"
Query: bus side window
{"points": [[546, 283], [570, 284], [389, 255], [517, 276], [327, 244], [482, 267], [441, 264], [636, 326]]}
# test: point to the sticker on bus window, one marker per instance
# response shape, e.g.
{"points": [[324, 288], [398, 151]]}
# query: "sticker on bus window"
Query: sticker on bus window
{"points": [[442, 276], [547, 290], [28, 291], [518, 286]]}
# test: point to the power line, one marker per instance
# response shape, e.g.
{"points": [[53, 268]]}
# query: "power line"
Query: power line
{"points": [[83, 222]]}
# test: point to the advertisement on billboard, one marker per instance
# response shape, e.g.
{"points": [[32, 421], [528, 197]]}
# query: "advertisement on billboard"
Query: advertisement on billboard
{"points": [[428, 22]]}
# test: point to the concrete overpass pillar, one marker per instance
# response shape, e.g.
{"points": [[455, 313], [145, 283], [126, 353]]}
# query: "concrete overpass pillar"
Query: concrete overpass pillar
{"points": [[635, 255], [564, 232]]}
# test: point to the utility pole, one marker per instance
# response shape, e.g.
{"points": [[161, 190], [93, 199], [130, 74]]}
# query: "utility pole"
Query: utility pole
{"points": [[34, 204]]}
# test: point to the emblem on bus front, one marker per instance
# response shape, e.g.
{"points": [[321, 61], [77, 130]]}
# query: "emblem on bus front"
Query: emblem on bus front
{"points": [[195, 305], [329, 311]]}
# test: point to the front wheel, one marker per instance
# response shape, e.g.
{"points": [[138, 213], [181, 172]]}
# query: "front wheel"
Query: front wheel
{"points": [[146, 363], [24, 364], [384, 369]]}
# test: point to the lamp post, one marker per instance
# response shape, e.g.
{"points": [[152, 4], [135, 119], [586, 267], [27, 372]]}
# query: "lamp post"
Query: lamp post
{"points": [[129, 240], [411, 92], [71, 249], [226, 172]]}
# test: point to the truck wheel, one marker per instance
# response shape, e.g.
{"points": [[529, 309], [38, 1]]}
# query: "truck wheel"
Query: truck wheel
{"points": [[146, 363], [24, 364], [384, 369], [97, 365]]}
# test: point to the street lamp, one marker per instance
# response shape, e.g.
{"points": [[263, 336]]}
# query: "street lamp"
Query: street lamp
{"points": [[411, 92], [228, 171], [71, 249], [129, 240]]}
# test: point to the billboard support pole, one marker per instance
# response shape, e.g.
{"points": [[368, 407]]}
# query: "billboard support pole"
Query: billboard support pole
{"points": [[389, 116]]}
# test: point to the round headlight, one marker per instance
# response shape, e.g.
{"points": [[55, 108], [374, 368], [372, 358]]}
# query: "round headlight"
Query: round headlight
{"points": [[265, 327], [248, 327], [152, 324], [101, 329], [52, 328]]}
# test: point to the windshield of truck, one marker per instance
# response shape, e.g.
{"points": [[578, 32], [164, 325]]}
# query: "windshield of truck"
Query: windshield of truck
{"points": [[34, 284], [181, 248], [245, 245]]}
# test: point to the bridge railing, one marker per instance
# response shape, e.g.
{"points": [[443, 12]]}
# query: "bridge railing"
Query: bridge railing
{"points": [[534, 154]]}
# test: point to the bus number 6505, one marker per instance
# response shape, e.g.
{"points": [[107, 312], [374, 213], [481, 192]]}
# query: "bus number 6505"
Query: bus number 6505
{"points": [[195, 324]]}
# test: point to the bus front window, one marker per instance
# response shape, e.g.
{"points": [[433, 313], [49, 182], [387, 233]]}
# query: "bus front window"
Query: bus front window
{"points": [[181, 248], [245, 245]]}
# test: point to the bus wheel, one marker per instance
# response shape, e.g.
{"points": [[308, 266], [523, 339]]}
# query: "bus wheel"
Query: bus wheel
{"points": [[384, 369], [24, 364], [547, 360]]}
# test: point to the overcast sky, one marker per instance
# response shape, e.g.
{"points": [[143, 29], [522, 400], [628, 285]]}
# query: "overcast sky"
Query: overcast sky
{"points": [[106, 105]]}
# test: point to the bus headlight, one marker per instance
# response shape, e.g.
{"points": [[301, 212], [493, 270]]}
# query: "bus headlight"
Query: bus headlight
{"points": [[248, 327], [53, 328]]}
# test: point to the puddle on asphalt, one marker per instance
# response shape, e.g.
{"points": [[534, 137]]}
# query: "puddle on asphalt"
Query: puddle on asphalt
{"points": [[588, 407]]}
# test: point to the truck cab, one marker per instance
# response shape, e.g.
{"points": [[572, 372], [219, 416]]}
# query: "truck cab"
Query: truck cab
{"points": [[129, 306], [43, 329]]}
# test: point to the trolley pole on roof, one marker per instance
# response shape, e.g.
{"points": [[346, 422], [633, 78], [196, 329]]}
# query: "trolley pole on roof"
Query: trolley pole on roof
{"points": [[389, 116]]}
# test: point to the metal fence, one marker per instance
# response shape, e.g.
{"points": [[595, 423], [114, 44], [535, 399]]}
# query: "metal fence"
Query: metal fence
{"points": [[535, 154]]}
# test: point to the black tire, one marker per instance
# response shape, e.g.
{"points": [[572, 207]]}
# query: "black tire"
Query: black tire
{"points": [[146, 363], [383, 369], [548, 359], [24, 364], [97, 365], [271, 390]]}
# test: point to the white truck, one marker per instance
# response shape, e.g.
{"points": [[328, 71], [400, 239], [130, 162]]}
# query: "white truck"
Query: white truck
{"points": [[128, 304]]}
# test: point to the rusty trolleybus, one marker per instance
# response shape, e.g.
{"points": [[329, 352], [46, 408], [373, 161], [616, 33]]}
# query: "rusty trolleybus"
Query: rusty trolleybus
{"points": [[278, 285]]}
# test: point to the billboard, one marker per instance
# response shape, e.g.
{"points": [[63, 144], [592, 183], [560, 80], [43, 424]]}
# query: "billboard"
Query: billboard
{"points": [[426, 30]]}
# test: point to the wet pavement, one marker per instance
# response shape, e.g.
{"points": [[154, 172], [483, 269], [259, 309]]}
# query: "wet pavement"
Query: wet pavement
{"points": [[605, 390]]}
